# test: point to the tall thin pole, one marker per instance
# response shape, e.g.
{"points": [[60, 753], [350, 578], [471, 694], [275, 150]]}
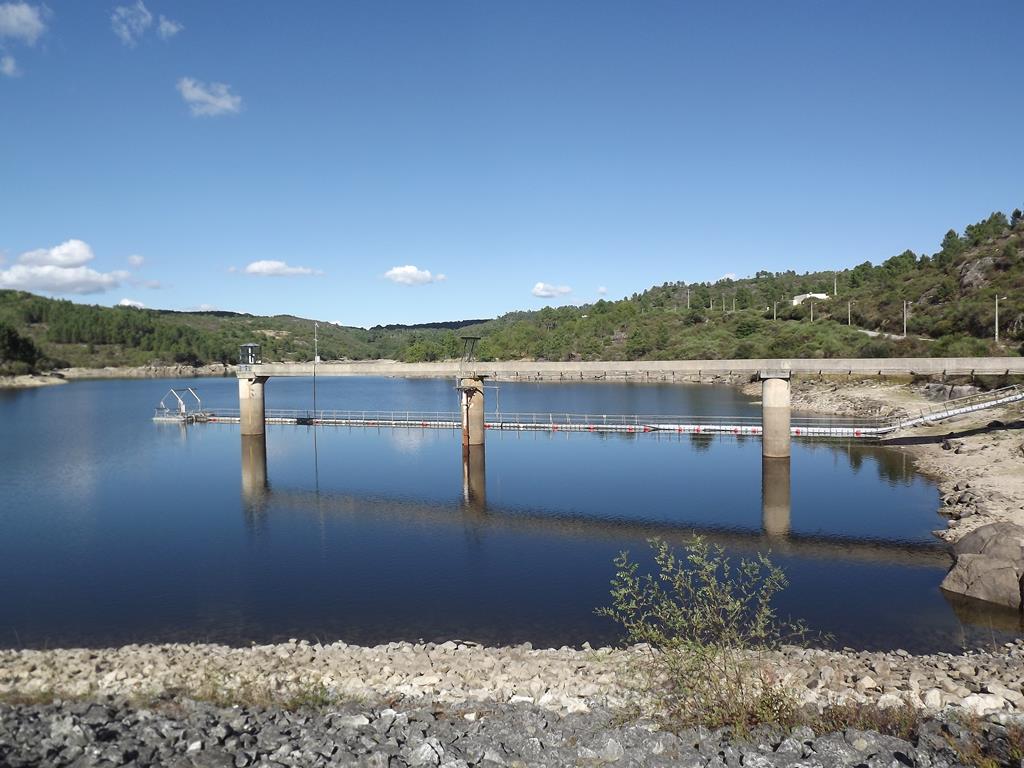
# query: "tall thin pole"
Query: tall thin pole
{"points": [[775, 306], [733, 303], [316, 357], [687, 298], [905, 319], [723, 302], [849, 314], [835, 285], [812, 311]]}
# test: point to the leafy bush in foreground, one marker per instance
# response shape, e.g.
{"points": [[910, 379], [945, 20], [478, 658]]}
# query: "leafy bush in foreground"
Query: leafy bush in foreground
{"points": [[706, 624]]}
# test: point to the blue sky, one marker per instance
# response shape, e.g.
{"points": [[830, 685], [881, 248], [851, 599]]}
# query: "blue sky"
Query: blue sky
{"points": [[375, 162]]}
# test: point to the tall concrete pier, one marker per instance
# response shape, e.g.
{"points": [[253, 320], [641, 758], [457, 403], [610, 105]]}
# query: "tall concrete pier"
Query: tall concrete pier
{"points": [[775, 496], [472, 401], [775, 414], [251, 408]]}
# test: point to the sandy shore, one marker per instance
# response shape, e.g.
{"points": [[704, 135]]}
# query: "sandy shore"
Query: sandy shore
{"points": [[30, 381], [979, 469]]}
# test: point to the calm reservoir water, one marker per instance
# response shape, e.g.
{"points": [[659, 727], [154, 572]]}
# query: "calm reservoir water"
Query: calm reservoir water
{"points": [[114, 529]]}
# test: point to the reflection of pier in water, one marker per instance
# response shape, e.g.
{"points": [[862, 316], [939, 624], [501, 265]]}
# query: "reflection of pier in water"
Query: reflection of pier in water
{"points": [[475, 513]]}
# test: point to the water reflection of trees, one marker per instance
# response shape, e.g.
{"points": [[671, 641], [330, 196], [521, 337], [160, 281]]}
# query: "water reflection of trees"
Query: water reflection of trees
{"points": [[702, 442], [894, 467]]}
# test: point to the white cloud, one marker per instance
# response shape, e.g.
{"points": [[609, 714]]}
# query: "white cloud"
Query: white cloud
{"points": [[136, 261], [131, 303], [60, 269], [9, 67], [48, 277], [271, 268], [71, 253], [206, 308], [168, 28], [208, 99], [601, 290], [21, 21], [412, 275], [130, 22], [547, 291], [728, 276]]}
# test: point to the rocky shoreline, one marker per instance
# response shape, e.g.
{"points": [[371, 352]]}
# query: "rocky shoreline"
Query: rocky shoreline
{"points": [[564, 680], [64, 375], [458, 704]]}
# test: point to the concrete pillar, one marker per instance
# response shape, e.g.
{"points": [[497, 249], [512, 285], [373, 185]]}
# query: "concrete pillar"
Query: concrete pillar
{"points": [[472, 399], [775, 414], [474, 478], [775, 498], [250, 405], [254, 468]]}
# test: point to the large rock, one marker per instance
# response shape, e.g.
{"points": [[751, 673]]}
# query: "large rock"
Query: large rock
{"points": [[1004, 541], [991, 579]]}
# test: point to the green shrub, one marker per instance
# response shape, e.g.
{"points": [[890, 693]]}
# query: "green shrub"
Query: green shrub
{"points": [[705, 625]]}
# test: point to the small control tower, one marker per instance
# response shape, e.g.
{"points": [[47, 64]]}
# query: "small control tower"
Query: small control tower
{"points": [[249, 354]]}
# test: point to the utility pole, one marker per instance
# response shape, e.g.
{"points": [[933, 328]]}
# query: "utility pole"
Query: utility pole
{"points": [[775, 306], [998, 299], [906, 305], [849, 314], [733, 303], [723, 302], [835, 285], [687, 298], [812, 311]]}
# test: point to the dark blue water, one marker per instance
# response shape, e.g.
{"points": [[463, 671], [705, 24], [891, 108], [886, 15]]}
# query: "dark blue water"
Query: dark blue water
{"points": [[116, 530]]}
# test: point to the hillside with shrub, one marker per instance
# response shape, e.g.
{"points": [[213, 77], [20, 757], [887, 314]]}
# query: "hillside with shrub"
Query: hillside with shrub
{"points": [[950, 295]]}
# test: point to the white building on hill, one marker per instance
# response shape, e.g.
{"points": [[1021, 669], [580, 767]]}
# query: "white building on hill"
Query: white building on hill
{"points": [[797, 300]]}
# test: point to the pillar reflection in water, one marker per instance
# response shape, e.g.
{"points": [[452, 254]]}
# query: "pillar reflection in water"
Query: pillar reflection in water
{"points": [[775, 503], [254, 470], [474, 477]]}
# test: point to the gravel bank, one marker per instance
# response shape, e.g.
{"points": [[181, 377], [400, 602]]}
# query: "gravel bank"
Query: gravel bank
{"points": [[563, 680]]}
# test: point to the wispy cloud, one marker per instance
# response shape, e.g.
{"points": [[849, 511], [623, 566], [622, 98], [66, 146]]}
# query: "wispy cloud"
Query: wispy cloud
{"points": [[130, 22], [547, 290], [410, 274], [728, 276], [131, 303], [272, 268], [8, 66], [21, 21], [208, 99], [136, 261], [168, 28], [602, 290]]}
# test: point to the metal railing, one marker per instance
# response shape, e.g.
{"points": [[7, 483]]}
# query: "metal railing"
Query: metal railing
{"points": [[800, 426], [960, 406]]}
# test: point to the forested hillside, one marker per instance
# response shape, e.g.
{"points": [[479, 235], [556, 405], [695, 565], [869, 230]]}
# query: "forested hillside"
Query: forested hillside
{"points": [[951, 310], [950, 294]]}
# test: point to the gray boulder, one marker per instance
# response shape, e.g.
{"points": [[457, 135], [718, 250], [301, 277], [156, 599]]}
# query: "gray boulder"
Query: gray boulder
{"points": [[1004, 541], [991, 579]]}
